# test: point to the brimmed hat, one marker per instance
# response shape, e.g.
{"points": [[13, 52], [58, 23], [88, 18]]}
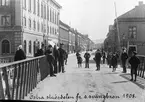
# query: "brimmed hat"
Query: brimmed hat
{"points": [[61, 44]]}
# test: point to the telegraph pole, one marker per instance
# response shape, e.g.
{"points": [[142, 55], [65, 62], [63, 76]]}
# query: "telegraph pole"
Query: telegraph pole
{"points": [[118, 35]]}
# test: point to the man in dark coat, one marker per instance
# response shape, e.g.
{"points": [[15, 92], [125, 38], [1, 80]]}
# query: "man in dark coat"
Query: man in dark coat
{"points": [[56, 56], [61, 58], [134, 61], [87, 57], [104, 57], [98, 59], [41, 51], [124, 57], [50, 60], [114, 62], [19, 55]]}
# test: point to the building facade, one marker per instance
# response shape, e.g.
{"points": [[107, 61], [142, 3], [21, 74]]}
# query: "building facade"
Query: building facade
{"points": [[131, 29], [64, 35], [71, 40], [29, 23]]}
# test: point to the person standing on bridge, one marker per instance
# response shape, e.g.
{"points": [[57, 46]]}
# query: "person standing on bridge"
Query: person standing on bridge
{"points": [[56, 56], [20, 54], [61, 58], [41, 51], [87, 57], [124, 58], [50, 60], [98, 59], [134, 61]]}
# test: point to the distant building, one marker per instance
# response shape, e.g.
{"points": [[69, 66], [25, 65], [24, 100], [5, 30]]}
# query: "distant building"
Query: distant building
{"points": [[64, 35], [132, 28], [29, 23]]}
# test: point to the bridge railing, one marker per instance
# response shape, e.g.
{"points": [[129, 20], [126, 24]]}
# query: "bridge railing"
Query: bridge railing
{"points": [[18, 79], [141, 67], [6, 59]]}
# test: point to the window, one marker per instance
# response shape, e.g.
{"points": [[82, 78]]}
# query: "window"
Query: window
{"points": [[34, 1], [41, 10], [47, 29], [24, 21], [38, 8], [38, 25], [30, 47], [48, 13], [29, 5], [44, 11], [132, 32], [5, 47], [41, 27], [25, 46], [24, 4], [4, 2], [5, 20], [34, 47], [34, 24], [29, 23]]}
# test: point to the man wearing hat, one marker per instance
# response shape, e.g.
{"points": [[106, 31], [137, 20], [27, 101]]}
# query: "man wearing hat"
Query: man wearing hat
{"points": [[134, 62], [61, 58], [50, 60], [124, 58]]}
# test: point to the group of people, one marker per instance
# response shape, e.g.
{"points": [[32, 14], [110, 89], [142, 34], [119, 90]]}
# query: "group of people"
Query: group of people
{"points": [[56, 57], [133, 60], [112, 61]]}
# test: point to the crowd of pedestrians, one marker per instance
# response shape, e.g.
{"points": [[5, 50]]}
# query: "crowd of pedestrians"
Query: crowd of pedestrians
{"points": [[57, 59]]}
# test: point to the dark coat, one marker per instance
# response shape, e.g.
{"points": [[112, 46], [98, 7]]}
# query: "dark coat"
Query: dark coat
{"points": [[61, 54], [19, 55], [134, 61], [87, 56], [55, 54], [114, 61], [98, 57], [124, 56], [40, 52], [79, 58]]}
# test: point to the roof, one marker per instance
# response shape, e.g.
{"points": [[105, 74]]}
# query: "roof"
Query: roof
{"points": [[63, 24], [137, 12]]}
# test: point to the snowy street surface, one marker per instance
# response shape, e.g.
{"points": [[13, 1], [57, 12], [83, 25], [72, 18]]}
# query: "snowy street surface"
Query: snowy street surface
{"points": [[88, 85]]}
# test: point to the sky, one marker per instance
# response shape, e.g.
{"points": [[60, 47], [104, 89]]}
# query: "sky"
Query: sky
{"points": [[93, 17]]}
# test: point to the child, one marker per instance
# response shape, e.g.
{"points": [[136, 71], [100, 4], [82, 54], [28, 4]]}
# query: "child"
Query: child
{"points": [[114, 62], [79, 58]]}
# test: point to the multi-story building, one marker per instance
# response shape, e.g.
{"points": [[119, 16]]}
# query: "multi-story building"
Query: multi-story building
{"points": [[72, 40], [29, 23], [64, 35], [131, 29]]}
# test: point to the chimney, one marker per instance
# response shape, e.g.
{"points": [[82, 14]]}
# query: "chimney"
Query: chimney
{"points": [[140, 3]]}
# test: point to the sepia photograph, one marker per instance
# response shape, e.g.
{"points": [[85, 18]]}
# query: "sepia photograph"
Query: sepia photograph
{"points": [[72, 50]]}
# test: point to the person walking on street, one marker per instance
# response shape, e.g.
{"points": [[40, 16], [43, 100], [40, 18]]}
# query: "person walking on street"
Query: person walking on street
{"points": [[98, 59], [134, 62], [66, 57], [50, 60], [124, 58], [79, 61], [19, 55], [104, 57], [87, 57], [77, 54], [61, 58], [114, 62], [56, 56]]}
